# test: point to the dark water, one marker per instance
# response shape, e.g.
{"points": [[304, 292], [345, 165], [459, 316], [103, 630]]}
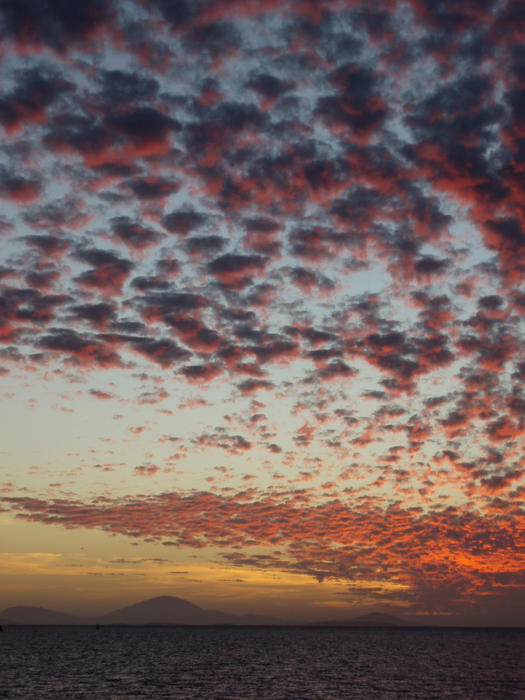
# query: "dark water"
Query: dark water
{"points": [[243, 663]]}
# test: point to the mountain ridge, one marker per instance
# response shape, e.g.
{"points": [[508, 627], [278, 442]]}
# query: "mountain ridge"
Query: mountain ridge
{"points": [[171, 610], [34, 615], [161, 610]]}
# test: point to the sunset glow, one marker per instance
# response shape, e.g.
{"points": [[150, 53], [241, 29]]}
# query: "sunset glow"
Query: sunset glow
{"points": [[262, 306]]}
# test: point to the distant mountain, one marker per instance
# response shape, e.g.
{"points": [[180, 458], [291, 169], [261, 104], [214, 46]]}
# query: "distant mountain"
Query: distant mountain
{"points": [[371, 620], [169, 610], [29, 615], [164, 610]]}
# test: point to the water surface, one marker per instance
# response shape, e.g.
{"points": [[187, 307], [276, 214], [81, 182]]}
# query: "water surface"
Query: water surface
{"points": [[273, 663]]}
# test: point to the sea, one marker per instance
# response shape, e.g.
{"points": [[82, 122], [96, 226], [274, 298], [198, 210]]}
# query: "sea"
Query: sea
{"points": [[239, 663]]}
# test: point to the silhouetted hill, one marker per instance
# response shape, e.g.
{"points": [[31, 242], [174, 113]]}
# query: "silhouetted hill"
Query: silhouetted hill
{"points": [[169, 610], [371, 620], [164, 610], [29, 615]]}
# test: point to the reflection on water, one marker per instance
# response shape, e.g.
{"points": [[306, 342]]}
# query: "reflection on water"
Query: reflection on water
{"points": [[243, 663]]}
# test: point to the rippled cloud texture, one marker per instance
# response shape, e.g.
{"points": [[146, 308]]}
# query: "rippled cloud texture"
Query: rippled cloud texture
{"points": [[261, 288]]}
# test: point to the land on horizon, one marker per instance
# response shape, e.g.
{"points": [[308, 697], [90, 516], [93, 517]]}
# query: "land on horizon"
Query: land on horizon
{"points": [[174, 611], [171, 610]]}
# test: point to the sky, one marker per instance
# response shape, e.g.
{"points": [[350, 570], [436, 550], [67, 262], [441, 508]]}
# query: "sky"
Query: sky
{"points": [[261, 306]]}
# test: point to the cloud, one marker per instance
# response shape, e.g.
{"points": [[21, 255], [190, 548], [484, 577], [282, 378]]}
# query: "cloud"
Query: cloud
{"points": [[146, 470], [234, 270], [451, 549], [164, 352], [200, 373], [81, 348], [145, 129], [358, 105], [183, 221], [133, 234], [152, 187], [36, 90], [108, 272], [318, 206], [52, 23], [20, 188], [251, 386], [123, 87]]}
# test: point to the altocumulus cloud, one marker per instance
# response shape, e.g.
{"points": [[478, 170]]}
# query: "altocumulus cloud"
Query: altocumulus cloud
{"points": [[309, 217]]}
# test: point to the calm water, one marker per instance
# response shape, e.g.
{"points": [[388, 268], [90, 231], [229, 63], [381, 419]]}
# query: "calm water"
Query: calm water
{"points": [[243, 663]]}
